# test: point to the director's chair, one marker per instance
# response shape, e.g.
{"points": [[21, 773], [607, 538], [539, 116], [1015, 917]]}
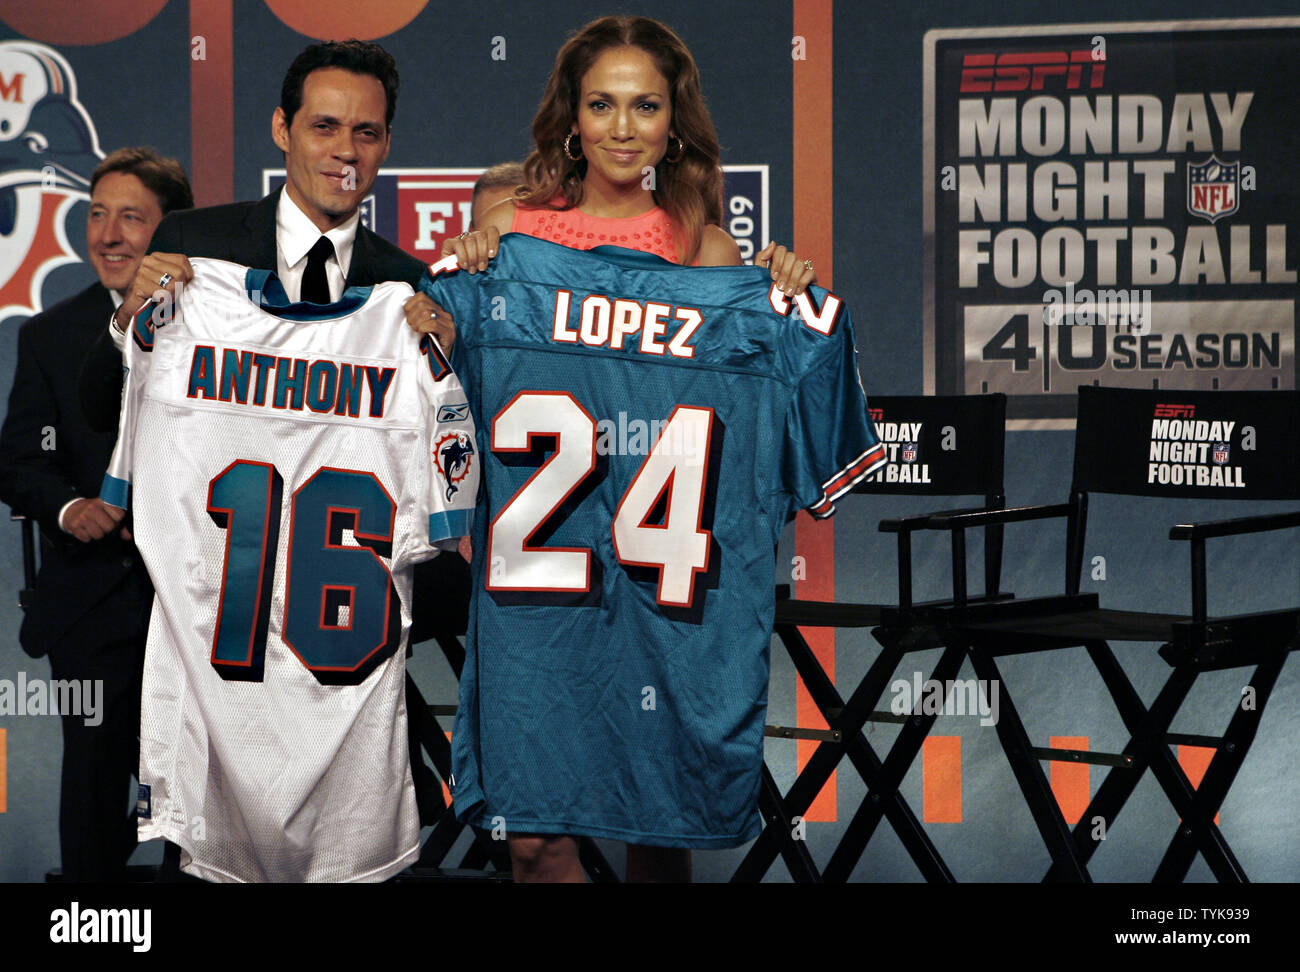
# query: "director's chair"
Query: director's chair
{"points": [[1123, 446], [959, 447]]}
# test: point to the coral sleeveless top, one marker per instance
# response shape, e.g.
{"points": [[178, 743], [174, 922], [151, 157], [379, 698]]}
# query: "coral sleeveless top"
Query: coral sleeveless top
{"points": [[651, 232]]}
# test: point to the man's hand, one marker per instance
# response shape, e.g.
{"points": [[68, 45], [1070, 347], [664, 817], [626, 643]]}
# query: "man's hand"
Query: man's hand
{"points": [[91, 519], [473, 250], [149, 281], [425, 316]]}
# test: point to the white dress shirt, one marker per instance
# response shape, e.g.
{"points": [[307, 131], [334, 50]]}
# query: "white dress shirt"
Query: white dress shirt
{"points": [[295, 235]]}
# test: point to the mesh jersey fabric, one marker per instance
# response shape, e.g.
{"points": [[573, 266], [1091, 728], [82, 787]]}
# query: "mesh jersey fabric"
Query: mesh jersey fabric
{"points": [[647, 432], [286, 466], [650, 232]]}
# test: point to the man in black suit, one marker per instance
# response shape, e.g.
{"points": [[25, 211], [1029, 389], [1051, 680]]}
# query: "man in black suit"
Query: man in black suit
{"points": [[90, 609], [334, 125]]}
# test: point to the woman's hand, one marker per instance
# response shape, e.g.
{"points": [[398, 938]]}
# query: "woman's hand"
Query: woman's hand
{"points": [[473, 250], [791, 274], [426, 316]]}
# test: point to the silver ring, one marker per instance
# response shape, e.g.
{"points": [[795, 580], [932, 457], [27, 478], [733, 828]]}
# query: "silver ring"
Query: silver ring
{"points": [[433, 315], [463, 235], [807, 265], [164, 280]]}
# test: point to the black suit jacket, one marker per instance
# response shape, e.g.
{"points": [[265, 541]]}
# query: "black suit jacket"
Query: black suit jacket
{"points": [[49, 455], [245, 233]]}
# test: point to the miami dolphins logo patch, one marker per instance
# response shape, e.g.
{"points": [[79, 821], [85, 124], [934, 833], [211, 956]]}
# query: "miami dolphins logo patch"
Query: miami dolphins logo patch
{"points": [[452, 454]]}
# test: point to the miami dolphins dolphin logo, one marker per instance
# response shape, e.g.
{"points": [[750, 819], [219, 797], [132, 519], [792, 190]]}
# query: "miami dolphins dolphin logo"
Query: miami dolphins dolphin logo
{"points": [[48, 150], [453, 454]]}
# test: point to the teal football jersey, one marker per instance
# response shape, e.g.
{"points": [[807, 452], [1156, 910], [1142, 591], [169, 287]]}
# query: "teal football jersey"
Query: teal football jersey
{"points": [[646, 430]]}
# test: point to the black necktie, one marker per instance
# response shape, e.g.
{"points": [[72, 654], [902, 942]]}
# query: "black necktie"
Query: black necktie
{"points": [[315, 287]]}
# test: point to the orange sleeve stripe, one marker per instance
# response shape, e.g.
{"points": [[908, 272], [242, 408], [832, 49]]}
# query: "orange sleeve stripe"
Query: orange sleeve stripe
{"points": [[844, 479]]}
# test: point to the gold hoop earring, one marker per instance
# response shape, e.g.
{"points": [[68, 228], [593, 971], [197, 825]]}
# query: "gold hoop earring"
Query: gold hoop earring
{"points": [[681, 150], [568, 148]]}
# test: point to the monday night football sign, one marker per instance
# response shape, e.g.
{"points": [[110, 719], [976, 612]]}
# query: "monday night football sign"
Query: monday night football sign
{"points": [[1112, 204]]}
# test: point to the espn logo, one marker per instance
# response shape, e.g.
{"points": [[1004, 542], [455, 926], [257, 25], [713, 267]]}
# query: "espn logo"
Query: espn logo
{"points": [[1175, 411], [1029, 70]]}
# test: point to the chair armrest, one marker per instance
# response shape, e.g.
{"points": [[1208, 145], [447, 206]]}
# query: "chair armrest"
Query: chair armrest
{"points": [[1018, 514], [905, 526], [1228, 528], [908, 524], [1198, 533], [959, 523]]}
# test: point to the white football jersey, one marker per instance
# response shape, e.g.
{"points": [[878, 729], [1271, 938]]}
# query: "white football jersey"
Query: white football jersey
{"points": [[286, 465]]}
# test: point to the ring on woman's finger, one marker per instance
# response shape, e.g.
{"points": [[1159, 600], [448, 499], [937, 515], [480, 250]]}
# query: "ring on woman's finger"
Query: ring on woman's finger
{"points": [[164, 280], [807, 265]]}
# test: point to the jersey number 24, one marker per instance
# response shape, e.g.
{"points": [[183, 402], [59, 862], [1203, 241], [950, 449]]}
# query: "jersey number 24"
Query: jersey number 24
{"points": [[672, 479]]}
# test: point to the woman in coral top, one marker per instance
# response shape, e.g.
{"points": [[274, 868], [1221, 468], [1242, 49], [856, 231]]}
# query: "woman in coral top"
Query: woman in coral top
{"points": [[626, 156]]}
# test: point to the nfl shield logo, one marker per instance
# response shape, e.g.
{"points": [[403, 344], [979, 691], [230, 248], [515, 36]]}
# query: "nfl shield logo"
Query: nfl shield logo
{"points": [[1212, 188], [909, 452], [1220, 453]]}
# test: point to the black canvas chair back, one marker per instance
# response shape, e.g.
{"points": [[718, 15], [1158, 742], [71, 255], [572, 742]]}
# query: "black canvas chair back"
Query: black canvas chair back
{"points": [[1242, 445], [939, 445], [1205, 445]]}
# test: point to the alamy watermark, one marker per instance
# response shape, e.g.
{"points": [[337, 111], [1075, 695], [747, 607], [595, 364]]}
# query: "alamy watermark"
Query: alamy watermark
{"points": [[1127, 309], [955, 697], [41, 696], [624, 436], [78, 925]]}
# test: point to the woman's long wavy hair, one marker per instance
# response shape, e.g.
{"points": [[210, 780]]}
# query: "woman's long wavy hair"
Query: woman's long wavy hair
{"points": [[689, 189]]}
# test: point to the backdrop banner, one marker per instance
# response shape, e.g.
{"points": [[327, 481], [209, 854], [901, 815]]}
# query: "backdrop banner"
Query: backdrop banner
{"points": [[1110, 204]]}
